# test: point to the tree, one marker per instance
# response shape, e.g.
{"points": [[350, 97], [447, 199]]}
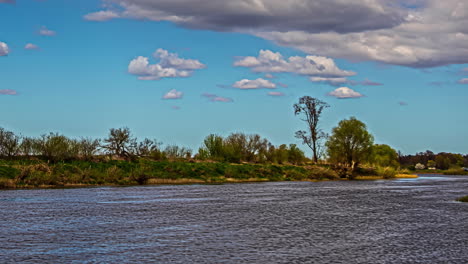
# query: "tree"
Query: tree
{"points": [[56, 147], [311, 110], [120, 142], [9, 143], [350, 143], [88, 147], [384, 156]]}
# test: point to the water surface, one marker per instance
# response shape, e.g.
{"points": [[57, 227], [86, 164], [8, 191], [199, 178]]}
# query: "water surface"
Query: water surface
{"points": [[399, 221]]}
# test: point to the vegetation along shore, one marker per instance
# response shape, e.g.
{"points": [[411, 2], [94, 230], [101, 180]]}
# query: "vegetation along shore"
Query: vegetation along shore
{"points": [[349, 152]]}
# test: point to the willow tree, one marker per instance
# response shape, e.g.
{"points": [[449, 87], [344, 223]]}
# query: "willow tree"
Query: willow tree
{"points": [[310, 109]]}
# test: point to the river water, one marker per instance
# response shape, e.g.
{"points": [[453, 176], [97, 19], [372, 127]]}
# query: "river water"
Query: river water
{"points": [[398, 221]]}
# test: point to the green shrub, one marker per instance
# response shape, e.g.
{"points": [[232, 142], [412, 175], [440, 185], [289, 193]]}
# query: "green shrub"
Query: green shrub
{"points": [[386, 172]]}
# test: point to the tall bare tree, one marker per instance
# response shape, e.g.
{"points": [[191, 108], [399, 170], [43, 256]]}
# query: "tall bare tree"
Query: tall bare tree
{"points": [[311, 110]]}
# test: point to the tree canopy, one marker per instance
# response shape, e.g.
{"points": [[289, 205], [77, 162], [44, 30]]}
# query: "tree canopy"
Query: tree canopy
{"points": [[350, 143]]}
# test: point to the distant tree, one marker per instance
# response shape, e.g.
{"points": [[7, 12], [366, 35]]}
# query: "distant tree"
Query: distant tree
{"points": [[213, 148], [88, 147], [384, 156], [350, 143], [311, 110], [55, 147], [120, 142], [26, 147], [419, 166], [176, 152], [295, 155], [431, 164], [442, 162], [147, 147], [9, 143]]}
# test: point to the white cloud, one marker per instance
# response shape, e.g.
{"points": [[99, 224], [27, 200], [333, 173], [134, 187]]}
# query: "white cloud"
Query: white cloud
{"points": [[169, 65], [31, 46], [268, 61], [269, 76], [331, 81], [345, 93], [4, 50], [8, 92], [433, 35], [463, 81], [413, 33], [173, 94], [101, 16], [254, 84], [276, 94], [46, 32], [216, 98]]}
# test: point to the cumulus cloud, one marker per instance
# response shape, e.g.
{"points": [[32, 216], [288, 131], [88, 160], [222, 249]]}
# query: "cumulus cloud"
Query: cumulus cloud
{"points": [[173, 94], [345, 93], [216, 98], [254, 84], [432, 35], [463, 81], [44, 31], [269, 61], [4, 50], [31, 46], [413, 33], [276, 94], [279, 15], [169, 65], [8, 92], [101, 16], [269, 76]]}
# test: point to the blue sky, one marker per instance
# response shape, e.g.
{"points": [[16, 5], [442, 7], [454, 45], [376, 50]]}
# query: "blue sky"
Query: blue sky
{"points": [[75, 77]]}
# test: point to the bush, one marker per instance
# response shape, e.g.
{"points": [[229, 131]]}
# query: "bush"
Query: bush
{"points": [[386, 172]]}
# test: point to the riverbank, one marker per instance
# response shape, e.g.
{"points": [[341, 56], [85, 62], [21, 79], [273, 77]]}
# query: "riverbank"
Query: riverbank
{"points": [[24, 174], [38, 174]]}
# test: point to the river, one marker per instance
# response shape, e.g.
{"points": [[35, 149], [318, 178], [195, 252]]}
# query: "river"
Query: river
{"points": [[387, 221]]}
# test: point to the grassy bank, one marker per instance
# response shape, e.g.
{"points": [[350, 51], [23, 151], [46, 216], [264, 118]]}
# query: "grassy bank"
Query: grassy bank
{"points": [[33, 174]]}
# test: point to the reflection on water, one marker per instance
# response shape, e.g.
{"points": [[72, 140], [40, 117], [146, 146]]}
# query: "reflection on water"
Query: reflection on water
{"points": [[400, 221]]}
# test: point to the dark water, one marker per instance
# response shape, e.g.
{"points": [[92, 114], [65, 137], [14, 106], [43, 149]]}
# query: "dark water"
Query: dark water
{"points": [[400, 221]]}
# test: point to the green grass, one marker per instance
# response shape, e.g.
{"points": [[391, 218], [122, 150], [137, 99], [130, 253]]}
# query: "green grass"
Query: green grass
{"points": [[32, 174]]}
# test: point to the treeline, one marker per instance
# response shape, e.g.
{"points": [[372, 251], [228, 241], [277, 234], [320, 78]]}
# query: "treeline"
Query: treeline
{"points": [[428, 159], [121, 144]]}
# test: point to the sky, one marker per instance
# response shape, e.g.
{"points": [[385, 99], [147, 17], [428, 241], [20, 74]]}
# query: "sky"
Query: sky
{"points": [[177, 71]]}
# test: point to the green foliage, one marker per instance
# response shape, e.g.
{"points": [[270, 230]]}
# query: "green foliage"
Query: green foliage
{"points": [[56, 147], [384, 156], [386, 172], [350, 143], [8, 172], [431, 164], [442, 162]]}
